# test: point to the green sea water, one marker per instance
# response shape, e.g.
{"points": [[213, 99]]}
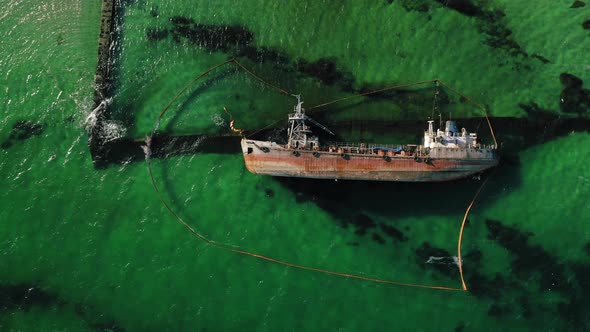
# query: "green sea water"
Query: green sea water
{"points": [[93, 249]]}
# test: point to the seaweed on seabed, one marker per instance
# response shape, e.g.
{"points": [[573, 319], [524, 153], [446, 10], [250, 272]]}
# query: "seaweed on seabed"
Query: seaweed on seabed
{"points": [[154, 34], [574, 98], [413, 5], [211, 37], [378, 238], [269, 193], [362, 223], [393, 232], [578, 4], [264, 54], [24, 296], [21, 131], [497, 310], [325, 70], [465, 7], [530, 260]]}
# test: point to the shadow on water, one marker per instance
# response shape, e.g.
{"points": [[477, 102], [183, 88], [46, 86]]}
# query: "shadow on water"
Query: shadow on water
{"points": [[128, 150], [345, 199]]}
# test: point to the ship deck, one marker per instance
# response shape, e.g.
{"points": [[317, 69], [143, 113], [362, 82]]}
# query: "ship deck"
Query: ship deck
{"points": [[367, 161]]}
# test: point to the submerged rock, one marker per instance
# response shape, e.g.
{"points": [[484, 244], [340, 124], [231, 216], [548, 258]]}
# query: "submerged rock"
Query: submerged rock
{"points": [[439, 259]]}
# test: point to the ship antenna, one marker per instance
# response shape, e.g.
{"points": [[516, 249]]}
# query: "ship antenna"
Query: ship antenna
{"points": [[298, 109], [434, 101]]}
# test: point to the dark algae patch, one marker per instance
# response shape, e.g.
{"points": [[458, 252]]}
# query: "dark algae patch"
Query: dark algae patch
{"points": [[22, 130], [378, 238], [24, 296], [497, 310], [238, 41], [491, 24], [394, 233], [211, 37], [574, 98], [533, 264], [464, 7], [413, 5], [577, 4], [269, 193], [528, 258], [362, 223], [541, 58], [326, 71], [154, 34]]}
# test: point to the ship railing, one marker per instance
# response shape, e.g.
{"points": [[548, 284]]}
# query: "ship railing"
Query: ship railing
{"points": [[375, 149], [383, 149]]}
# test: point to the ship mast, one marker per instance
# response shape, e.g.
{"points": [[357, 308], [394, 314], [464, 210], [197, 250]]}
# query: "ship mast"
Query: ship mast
{"points": [[299, 133], [298, 130]]}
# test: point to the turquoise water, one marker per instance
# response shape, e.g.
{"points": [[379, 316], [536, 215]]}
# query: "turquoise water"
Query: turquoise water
{"points": [[92, 248]]}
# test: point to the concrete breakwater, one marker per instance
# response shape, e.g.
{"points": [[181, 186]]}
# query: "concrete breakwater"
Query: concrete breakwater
{"points": [[103, 82], [103, 67]]}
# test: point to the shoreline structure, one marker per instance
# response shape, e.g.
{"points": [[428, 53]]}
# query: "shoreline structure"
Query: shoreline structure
{"points": [[103, 81], [105, 142]]}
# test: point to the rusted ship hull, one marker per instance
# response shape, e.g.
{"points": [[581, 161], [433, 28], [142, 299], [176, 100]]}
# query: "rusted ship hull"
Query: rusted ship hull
{"points": [[269, 158]]}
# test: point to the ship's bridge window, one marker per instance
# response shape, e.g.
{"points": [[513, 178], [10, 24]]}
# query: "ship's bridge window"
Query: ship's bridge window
{"points": [[249, 150]]}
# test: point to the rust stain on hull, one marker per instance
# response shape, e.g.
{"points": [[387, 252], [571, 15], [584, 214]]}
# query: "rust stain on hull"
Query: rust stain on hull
{"points": [[276, 160]]}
